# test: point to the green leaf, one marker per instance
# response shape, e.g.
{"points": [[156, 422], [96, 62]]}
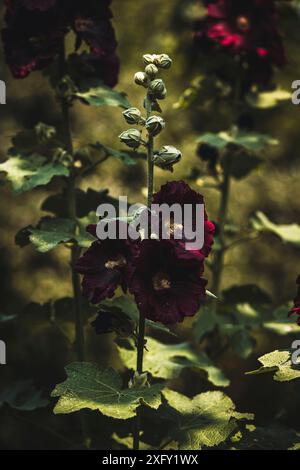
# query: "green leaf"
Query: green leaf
{"points": [[242, 343], [273, 437], [280, 363], [268, 99], [250, 141], [126, 157], [51, 232], [204, 421], [240, 163], [287, 233], [128, 306], [94, 93], [6, 318], [205, 322], [23, 396], [166, 361], [87, 386], [26, 173], [282, 324]]}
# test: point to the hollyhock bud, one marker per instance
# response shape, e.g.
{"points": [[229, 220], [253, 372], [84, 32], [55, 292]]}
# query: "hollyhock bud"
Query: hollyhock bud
{"points": [[45, 132], [151, 70], [158, 89], [132, 115], [155, 124], [163, 61], [141, 78], [149, 58], [166, 157], [131, 137]]}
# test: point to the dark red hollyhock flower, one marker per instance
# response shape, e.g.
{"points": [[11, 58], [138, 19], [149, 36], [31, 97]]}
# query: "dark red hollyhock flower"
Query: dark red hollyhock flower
{"points": [[35, 29], [296, 308], [178, 192], [245, 28], [105, 266], [167, 288]]}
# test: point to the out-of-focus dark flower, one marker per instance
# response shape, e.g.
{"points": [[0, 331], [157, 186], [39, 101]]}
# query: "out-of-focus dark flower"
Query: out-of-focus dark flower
{"points": [[166, 287], [296, 308], [35, 29], [113, 319], [245, 29], [178, 192]]}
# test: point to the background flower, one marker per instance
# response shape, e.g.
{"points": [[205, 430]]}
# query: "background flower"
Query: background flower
{"points": [[248, 30], [35, 29]]}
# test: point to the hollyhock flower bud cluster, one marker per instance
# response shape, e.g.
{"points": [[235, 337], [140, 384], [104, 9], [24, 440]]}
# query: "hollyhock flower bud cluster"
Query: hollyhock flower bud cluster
{"points": [[34, 31], [296, 308], [165, 279], [248, 30]]}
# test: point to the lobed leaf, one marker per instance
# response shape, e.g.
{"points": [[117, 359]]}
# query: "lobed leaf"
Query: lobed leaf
{"points": [[87, 386]]}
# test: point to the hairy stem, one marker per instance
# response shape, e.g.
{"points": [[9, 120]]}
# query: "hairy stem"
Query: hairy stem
{"points": [[142, 320]]}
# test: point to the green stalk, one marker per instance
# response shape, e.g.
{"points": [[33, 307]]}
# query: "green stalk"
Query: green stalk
{"points": [[75, 250], [218, 266], [142, 320]]}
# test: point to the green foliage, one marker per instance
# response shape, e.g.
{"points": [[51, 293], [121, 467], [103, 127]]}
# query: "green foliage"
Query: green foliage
{"points": [[87, 386], [254, 142], [23, 396], [287, 233], [269, 438], [52, 231], [126, 157], [94, 93], [166, 361], [268, 99], [280, 363], [28, 172], [204, 421]]}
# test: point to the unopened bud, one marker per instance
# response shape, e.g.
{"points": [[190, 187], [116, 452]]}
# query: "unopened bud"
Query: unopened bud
{"points": [[157, 89], [132, 115], [131, 137], [166, 157], [154, 125], [141, 78], [151, 70], [44, 132], [149, 58], [163, 61]]}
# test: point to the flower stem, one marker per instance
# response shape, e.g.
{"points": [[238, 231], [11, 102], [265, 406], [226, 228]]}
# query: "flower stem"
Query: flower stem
{"points": [[75, 250], [142, 320], [219, 257]]}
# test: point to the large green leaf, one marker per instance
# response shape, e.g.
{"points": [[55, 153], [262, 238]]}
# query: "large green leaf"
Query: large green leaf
{"points": [[250, 141], [280, 363], [52, 231], [26, 173], [23, 396], [166, 361], [87, 386], [273, 437], [287, 233], [94, 93], [204, 421]]}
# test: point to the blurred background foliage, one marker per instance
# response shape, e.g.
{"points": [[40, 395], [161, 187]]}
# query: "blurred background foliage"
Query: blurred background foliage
{"points": [[37, 346]]}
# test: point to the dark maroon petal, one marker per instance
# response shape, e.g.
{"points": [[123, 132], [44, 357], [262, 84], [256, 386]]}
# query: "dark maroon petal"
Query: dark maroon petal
{"points": [[167, 288], [296, 308]]}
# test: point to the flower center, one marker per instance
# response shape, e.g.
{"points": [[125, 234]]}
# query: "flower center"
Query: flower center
{"points": [[173, 228], [161, 281], [118, 262], [243, 23]]}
